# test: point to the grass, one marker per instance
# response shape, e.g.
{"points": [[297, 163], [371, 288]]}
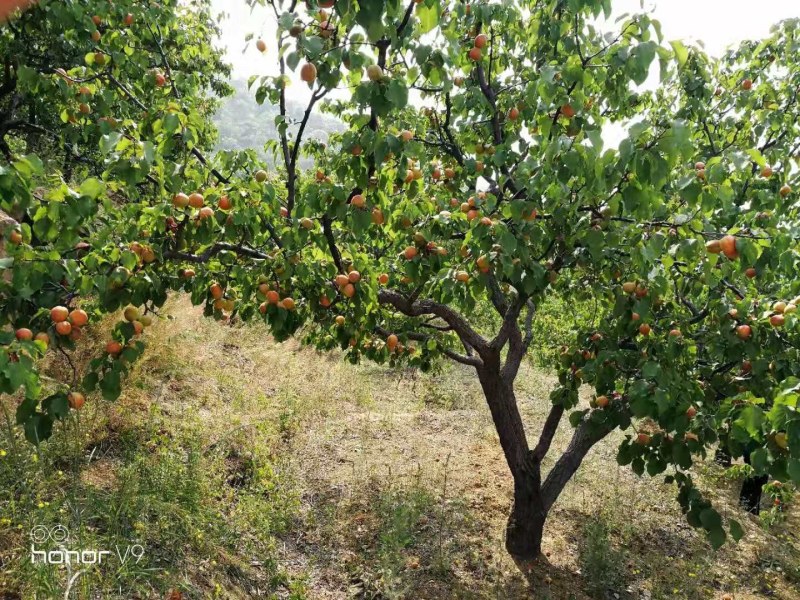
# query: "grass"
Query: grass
{"points": [[246, 468]]}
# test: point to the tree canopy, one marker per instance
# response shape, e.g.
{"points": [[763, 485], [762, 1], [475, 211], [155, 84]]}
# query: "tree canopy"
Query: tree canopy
{"points": [[474, 171]]}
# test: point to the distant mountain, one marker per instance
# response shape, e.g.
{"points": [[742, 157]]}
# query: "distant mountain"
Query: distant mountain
{"points": [[243, 123]]}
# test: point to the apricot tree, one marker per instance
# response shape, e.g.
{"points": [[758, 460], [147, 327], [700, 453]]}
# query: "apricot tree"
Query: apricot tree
{"points": [[475, 170]]}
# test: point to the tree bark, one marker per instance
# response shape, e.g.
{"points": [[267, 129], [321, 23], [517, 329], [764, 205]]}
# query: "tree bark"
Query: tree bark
{"points": [[526, 522], [528, 515]]}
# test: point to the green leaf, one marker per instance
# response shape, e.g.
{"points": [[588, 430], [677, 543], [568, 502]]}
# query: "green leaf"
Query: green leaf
{"points": [[397, 93], [92, 188], [56, 406], [793, 468], [38, 428], [737, 532], [716, 537], [681, 53], [759, 459]]}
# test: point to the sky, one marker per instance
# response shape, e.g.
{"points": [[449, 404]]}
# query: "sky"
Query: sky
{"points": [[717, 23]]}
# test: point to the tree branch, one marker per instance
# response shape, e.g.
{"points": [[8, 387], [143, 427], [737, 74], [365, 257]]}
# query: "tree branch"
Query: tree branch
{"points": [[582, 441], [215, 249], [418, 308], [548, 432]]}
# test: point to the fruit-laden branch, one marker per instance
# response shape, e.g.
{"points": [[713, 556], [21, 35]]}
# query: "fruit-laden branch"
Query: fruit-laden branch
{"points": [[195, 151], [585, 437], [163, 54], [418, 308], [212, 251], [470, 360]]}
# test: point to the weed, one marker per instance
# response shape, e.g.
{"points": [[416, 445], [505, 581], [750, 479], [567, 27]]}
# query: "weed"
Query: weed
{"points": [[601, 563]]}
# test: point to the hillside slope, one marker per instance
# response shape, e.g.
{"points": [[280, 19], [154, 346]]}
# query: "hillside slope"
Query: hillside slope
{"points": [[247, 468]]}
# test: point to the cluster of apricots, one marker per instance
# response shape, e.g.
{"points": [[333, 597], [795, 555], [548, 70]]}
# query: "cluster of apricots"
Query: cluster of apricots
{"points": [[271, 296]]}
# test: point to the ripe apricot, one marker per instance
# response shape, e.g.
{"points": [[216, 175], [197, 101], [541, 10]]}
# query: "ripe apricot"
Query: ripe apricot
{"points": [[76, 400], [63, 328], [728, 246], [391, 342], [24, 334], [777, 320], [78, 317], [308, 73], [59, 314]]}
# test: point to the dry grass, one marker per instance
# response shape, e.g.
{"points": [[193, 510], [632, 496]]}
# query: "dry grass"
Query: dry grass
{"points": [[402, 489]]}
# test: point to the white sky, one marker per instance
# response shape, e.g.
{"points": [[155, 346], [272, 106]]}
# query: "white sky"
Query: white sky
{"points": [[717, 23]]}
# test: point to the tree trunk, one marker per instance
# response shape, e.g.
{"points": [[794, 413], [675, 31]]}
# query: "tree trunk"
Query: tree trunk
{"points": [[532, 497], [750, 494], [527, 518], [525, 523]]}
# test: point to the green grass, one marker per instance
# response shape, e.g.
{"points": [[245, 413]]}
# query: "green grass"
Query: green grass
{"points": [[196, 512]]}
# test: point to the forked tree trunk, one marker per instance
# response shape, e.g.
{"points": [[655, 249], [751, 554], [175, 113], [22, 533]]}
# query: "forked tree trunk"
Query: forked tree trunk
{"points": [[528, 514], [533, 497]]}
